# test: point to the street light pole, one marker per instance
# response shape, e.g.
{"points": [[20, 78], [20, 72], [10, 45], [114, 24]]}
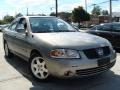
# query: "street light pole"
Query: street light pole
{"points": [[27, 12], [56, 5]]}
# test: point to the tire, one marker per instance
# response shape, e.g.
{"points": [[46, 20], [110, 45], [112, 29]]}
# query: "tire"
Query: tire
{"points": [[38, 68], [8, 54]]}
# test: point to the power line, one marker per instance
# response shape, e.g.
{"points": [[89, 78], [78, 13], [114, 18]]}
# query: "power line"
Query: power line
{"points": [[99, 3], [110, 6], [103, 2]]}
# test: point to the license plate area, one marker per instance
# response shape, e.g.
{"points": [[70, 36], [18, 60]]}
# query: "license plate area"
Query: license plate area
{"points": [[104, 61]]}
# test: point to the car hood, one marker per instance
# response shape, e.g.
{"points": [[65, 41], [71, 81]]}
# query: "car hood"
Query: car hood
{"points": [[72, 39]]}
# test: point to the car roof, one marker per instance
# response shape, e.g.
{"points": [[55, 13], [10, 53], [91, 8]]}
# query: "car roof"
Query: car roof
{"points": [[27, 17], [110, 23], [38, 16]]}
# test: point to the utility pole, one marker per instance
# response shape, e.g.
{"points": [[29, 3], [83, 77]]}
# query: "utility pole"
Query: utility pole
{"points": [[56, 5], [86, 23], [86, 5], [110, 10]]}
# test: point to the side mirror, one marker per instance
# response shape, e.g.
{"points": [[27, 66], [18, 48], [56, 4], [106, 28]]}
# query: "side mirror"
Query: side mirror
{"points": [[25, 26], [26, 32], [20, 30]]}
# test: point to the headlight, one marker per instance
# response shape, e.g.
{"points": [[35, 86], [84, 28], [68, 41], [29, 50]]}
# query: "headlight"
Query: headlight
{"points": [[64, 53]]}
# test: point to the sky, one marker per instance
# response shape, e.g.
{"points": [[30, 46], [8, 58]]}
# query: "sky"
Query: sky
{"points": [[12, 7]]}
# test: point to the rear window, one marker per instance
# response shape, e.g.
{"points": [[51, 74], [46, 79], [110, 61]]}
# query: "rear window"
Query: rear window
{"points": [[116, 27]]}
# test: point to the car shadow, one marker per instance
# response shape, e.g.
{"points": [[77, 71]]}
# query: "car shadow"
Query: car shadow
{"points": [[117, 50], [108, 80]]}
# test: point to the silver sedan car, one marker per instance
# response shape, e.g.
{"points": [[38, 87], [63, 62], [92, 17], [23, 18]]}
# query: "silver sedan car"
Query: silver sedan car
{"points": [[53, 47]]}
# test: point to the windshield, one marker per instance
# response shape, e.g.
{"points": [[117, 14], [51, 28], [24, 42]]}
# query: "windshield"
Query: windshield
{"points": [[49, 24]]}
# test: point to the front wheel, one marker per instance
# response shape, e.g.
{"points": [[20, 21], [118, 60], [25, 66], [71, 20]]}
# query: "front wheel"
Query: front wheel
{"points": [[38, 68]]}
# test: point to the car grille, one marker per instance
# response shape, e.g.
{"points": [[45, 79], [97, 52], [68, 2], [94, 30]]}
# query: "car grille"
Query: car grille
{"points": [[93, 54], [93, 71]]}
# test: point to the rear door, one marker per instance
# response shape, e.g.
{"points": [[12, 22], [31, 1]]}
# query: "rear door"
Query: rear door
{"points": [[116, 34], [9, 36]]}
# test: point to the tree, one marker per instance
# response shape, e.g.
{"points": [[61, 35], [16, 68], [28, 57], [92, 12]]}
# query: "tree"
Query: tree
{"points": [[52, 14], [105, 12], [18, 15], [63, 15], [2, 22], [41, 14], [79, 14], [96, 10], [8, 19]]}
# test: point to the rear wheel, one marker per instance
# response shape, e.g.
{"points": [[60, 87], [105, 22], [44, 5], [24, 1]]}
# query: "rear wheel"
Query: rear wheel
{"points": [[7, 51], [38, 68]]}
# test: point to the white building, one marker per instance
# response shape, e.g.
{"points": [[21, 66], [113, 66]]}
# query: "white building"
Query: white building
{"points": [[116, 16]]}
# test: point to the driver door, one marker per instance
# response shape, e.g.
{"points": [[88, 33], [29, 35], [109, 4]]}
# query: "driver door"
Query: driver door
{"points": [[22, 39]]}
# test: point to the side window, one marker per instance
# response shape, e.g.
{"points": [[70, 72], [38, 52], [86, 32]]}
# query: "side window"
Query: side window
{"points": [[106, 27], [13, 26], [99, 27], [20, 27], [116, 27]]}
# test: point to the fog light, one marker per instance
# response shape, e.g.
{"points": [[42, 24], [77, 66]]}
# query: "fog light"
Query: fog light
{"points": [[68, 73]]}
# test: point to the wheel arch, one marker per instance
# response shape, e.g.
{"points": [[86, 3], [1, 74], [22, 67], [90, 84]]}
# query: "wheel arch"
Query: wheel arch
{"points": [[34, 51]]}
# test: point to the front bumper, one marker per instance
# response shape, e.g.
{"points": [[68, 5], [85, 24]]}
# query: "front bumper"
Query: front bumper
{"points": [[78, 67]]}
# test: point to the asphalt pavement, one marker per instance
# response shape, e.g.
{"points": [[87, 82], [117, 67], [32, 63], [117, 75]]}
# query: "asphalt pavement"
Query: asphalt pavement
{"points": [[14, 75]]}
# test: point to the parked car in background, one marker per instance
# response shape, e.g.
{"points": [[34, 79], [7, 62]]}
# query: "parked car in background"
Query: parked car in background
{"points": [[2, 27], [6, 25], [53, 47], [110, 31]]}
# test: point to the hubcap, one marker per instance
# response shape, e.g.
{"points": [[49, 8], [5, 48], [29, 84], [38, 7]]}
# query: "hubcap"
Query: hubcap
{"points": [[39, 68], [6, 50]]}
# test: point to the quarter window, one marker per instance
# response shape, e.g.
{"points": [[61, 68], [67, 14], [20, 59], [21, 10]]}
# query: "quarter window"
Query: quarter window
{"points": [[20, 26]]}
